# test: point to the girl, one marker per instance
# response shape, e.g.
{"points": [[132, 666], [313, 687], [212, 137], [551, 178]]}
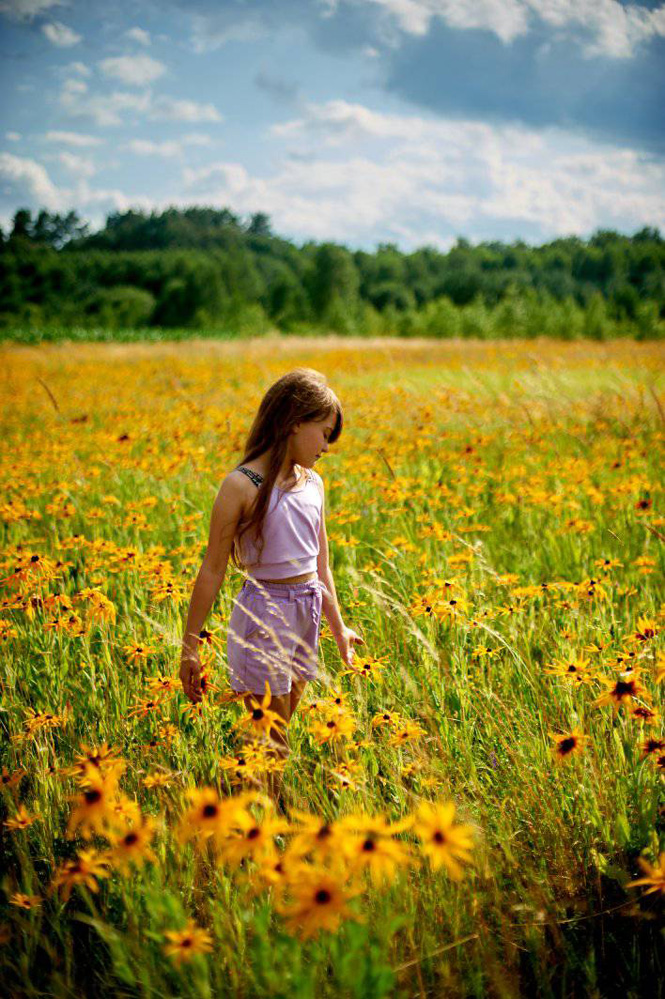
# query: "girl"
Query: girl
{"points": [[269, 518]]}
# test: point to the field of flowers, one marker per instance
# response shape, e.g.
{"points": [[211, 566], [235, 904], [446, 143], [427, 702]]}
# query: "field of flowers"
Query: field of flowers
{"points": [[478, 802]]}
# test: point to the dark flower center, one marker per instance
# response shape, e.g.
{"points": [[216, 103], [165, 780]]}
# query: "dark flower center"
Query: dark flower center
{"points": [[439, 837], [92, 797], [209, 811], [322, 896], [567, 746]]}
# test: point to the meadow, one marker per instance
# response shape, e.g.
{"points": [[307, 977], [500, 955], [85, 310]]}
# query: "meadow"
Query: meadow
{"points": [[478, 802]]}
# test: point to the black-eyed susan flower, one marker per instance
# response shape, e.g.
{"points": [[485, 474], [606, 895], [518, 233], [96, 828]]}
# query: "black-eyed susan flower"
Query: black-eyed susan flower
{"points": [[313, 835], [260, 718], [407, 731], [645, 629], [25, 901], [332, 729], [319, 902], [621, 690], [568, 744], [21, 820], [209, 816], [574, 668], [644, 714], [131, 846], [652, 745], [93, 807], [654, 876], [387, 718], [159, 779], [183, 945], [251, 837], [369, 667], [137, 651], [369, 845], [445, 843], [84, 870]]}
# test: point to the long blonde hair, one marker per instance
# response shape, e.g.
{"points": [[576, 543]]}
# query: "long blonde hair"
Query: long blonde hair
{"points": [[297, 397]]}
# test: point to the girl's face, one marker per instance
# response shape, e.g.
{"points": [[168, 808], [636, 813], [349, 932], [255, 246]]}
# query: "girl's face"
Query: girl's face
{"points": [[310, 440]]}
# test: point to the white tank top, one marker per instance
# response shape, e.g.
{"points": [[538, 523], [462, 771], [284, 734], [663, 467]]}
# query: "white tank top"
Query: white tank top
{"points": [[290, 531]]}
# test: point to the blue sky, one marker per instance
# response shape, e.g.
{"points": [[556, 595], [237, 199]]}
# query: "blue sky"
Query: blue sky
{"points": [[357, 121]]}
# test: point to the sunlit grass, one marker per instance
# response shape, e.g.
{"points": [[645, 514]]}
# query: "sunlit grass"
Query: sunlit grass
{"points": [[493, 784]]}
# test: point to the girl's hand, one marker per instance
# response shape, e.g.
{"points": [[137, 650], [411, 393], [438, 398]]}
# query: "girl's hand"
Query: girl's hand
{"points": [[190, 674], [345, 642]]}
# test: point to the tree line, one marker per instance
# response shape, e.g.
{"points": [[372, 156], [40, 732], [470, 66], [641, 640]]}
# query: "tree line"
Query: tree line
{"points": [[208, 269]]}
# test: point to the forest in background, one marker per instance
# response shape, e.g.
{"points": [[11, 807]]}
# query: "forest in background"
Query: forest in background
{"points": [[207, 271]]}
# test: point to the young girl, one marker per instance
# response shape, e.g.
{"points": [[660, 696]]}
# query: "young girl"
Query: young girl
{"points": [[268, 517]]}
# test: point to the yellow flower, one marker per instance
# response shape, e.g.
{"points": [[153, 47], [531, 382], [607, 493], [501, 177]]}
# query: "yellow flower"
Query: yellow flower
{"points": [[89, 865], [568, 744], [93, 808], [369, 845], [443, 842], [132, 845], [655, 875], [21, 820], [319, 902], [261, 718], [188, 943], [341, 726], [625, 688], [251, 837], [25, 901]]}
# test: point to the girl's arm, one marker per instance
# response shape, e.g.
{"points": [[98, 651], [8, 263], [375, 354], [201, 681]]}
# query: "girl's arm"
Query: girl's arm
{"points": [[345, 637], [226, 513]]}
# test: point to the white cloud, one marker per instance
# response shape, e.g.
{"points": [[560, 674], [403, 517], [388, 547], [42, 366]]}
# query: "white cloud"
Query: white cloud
{"points": [[13, 136], [212, 30], [78, 67], [359, 172], [108, 109], [173, 109], [138, 35], [73, 139], [26, 10], [79, 165], [136, 70], [144, 147], [169, 148], [26, 176], [197, 139], [75, 86], [616, 29], [60, 35], [105, 109]]}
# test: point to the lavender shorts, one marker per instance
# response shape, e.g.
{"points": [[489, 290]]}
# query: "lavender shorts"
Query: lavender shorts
{"points": [[273, 635]]}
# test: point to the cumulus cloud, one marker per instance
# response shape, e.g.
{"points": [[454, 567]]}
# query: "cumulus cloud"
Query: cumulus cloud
{"points": [[27, 10], [411, 179], [610, 28], [78, 67], [60, 35], [139, 35], [168, 148], [26, 176], [79, 165], [174, 109], [144, 147], [13, 136], [72, 138], [103, 110], [137, 70]]}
